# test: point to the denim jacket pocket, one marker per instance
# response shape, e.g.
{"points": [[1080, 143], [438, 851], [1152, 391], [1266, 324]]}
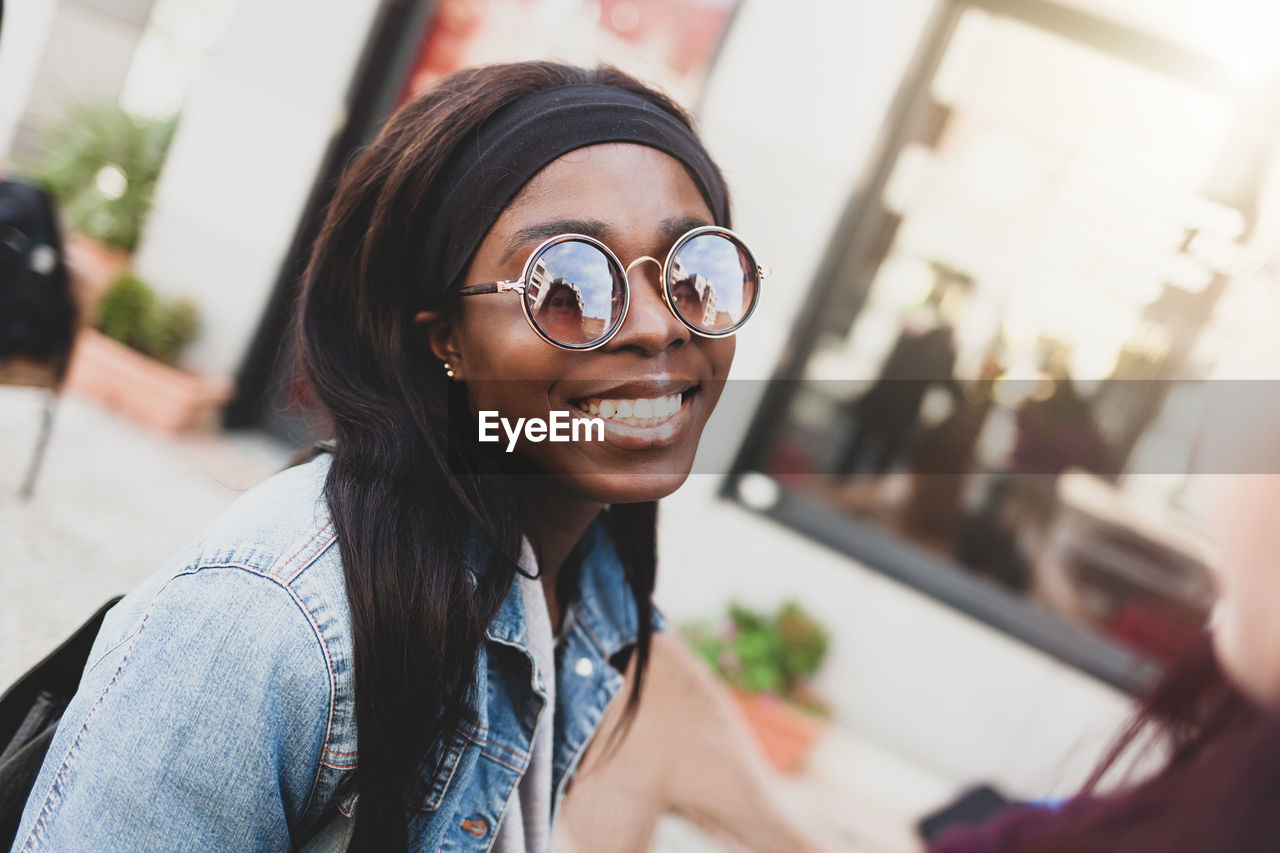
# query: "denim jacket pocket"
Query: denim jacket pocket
{"points": [[427, 793]]}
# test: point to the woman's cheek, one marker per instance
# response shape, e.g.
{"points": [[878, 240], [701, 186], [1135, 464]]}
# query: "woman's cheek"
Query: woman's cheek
{"points": [[1247, 644], [722, 356]]}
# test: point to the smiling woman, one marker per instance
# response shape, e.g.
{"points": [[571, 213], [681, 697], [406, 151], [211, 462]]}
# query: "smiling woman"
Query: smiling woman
{"points": [[408, 641], [640, 201]]}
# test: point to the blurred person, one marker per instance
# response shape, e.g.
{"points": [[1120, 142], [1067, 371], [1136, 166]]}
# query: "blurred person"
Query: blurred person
{"points": [[884, 418], [941, 462], [1215, 714], [1057, 431], [407, 641]]}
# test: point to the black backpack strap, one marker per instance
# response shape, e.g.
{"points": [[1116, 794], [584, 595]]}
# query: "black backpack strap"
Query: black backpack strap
{"points": [[29, 715], [58, 675]]}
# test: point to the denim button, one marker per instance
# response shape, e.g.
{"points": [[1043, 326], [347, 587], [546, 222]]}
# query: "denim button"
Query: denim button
{"points": [[584, 667]]}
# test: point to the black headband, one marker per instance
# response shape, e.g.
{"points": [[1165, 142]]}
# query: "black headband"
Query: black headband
{"points": [[488, 170]]}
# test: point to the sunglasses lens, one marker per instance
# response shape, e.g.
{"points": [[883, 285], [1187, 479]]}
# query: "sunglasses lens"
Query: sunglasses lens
{"points": [[575, 293], [713, 282]]}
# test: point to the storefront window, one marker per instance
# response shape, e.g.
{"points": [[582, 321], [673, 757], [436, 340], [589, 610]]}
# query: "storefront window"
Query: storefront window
{"points": [[997, 395]]}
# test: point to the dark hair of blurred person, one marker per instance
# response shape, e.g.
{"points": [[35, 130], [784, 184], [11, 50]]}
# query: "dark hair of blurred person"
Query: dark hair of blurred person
{"points": [[1217, 790]]}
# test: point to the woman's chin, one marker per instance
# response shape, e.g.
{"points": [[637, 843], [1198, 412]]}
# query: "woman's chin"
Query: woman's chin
{"points": [[631, 487], [1245, 663]]}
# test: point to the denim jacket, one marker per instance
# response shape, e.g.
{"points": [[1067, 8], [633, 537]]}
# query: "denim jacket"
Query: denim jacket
{"points": [[216, 711]]}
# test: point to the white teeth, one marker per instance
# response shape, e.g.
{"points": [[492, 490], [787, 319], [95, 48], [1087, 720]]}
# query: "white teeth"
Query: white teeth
{"points": [[638, 409]]}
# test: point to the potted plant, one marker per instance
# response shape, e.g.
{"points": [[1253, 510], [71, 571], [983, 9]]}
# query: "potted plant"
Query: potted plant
{"points": [[102, 164], [768, 660], [127, 360]]}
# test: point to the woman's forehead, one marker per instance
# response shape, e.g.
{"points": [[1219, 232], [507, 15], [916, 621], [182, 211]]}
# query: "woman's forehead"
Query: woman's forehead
{"points": [[608, 187]]}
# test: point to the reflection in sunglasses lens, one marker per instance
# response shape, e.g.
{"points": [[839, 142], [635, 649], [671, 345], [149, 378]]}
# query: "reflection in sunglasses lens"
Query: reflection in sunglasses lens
{"points": [[574, 293], [713, 282]]}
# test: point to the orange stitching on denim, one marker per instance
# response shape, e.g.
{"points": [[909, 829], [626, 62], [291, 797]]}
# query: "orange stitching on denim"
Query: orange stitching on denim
{"points": [[522, 756], [517, 755], [499, 760], [519, 768], [311, 558], [324, 529], [475, 827]]}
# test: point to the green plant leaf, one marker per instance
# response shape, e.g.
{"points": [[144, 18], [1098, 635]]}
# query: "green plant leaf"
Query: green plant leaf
{"points": [[775, 653], [92, 137], [131, 313]]}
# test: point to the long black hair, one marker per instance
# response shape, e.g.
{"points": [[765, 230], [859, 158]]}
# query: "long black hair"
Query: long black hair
{"points": [[401, 510]]}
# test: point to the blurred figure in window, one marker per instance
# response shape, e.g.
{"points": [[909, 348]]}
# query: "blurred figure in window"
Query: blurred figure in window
{"points": [[884, 419], [942, 461], [1058, 432]]}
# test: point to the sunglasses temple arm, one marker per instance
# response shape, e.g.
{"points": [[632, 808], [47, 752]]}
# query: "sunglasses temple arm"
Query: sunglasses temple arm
{"points": [[492, 287]]}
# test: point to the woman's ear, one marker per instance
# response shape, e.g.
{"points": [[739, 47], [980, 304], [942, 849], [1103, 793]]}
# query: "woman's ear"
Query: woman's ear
{"points": [[441, 336]]}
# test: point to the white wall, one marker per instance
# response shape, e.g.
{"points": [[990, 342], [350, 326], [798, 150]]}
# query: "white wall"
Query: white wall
{"points": [[254, 128], [53, 52], [22, 39], [797, 99]]}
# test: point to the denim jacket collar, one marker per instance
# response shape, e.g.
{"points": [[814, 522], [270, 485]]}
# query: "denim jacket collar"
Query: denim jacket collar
{"points": [[605, 606]]}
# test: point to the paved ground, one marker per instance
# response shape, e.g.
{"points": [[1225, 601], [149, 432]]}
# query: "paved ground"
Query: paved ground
{"points": [[112, 504]]}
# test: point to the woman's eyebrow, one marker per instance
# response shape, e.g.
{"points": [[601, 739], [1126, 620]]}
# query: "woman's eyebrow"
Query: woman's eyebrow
{"points": [[670, 229], [676, 226], [547, 230]]}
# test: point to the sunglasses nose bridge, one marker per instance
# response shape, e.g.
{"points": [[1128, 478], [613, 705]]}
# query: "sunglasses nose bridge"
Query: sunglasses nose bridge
{"points": [[640, 260]]}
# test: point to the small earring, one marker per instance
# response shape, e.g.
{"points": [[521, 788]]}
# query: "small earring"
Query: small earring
{"points": [[448, 370]]}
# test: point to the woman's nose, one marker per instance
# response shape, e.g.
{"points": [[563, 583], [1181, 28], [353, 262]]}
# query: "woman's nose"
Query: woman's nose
{"points": [[649, 326]]}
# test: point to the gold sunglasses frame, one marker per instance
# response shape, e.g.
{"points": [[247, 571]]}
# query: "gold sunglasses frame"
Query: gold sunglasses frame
{"points": [[518, 285]]}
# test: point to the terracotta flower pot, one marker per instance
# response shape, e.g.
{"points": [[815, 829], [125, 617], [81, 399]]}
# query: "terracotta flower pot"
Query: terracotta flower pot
{"points": [[785, 732], [153, 393]]}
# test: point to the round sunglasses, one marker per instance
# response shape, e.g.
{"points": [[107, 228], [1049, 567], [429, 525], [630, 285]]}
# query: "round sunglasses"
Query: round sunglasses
{"points": [[576, 292]]}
